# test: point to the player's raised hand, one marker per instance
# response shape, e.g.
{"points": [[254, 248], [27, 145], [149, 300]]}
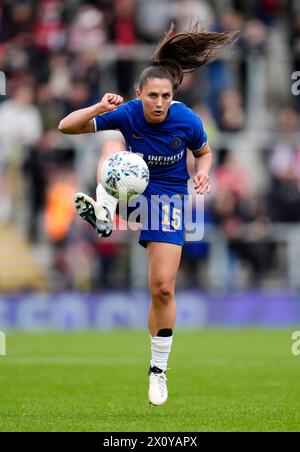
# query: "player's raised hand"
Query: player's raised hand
{"points": [[111, 101], [202, 183]]}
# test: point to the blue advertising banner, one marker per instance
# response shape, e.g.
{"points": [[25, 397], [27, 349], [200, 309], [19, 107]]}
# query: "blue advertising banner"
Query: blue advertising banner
{"points": [[108, 310]]}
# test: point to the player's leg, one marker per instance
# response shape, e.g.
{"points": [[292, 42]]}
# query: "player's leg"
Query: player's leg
{"points": [[163, 263], [103, 199], [100, 214], [114, 142]]}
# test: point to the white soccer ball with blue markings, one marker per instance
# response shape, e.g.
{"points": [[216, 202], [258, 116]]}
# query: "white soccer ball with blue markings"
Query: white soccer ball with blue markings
{"points": [[124, 175]]}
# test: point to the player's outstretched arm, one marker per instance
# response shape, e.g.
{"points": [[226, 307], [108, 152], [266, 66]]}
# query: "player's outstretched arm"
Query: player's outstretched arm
{"points": [[203, 165], [81, 121]]}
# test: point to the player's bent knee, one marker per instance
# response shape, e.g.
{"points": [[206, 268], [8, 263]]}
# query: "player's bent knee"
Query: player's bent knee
{"points": [[162, 293]]}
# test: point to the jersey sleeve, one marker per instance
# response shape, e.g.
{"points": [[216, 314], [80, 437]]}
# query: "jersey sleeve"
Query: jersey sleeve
{"points": [[111, 120], [198, 137]]}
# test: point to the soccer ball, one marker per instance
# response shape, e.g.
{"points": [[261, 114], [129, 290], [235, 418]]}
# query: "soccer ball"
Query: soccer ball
{"points": [[124, 175]]}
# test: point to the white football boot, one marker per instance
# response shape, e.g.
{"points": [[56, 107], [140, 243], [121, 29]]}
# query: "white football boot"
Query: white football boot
{"points": [[158, 391], [97, 216]]}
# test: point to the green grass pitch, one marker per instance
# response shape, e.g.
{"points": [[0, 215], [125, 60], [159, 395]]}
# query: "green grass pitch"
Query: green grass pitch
{"points": [[219, 380]]}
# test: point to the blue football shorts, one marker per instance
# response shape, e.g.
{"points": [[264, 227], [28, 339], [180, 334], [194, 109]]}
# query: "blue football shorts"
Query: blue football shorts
{"points": [[161, 213]]}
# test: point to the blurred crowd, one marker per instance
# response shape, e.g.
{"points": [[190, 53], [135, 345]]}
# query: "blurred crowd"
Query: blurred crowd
{"points": [[58, 57]]}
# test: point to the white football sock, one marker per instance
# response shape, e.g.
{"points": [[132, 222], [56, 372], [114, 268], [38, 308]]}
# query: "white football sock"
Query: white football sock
{"points": [[104, 199], [160, 351]]}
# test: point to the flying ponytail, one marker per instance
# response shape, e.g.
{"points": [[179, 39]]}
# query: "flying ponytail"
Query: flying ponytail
{"points": [[181, 53]]}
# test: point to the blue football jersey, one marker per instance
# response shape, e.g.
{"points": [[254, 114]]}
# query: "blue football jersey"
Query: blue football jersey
{"points": [[163, 146]]}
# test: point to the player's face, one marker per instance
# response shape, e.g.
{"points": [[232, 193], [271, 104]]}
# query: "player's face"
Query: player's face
{"points": [[156, 96]]}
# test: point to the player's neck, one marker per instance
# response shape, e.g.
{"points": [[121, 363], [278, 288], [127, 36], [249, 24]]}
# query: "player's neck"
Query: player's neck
{"points": [[153, 121]]}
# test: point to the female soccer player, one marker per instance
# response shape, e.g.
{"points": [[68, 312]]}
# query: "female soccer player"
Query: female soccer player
{"points": [[162, 130]]}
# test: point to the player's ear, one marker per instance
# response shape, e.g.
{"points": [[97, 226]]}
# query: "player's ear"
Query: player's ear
{"points": [[138, 93]]}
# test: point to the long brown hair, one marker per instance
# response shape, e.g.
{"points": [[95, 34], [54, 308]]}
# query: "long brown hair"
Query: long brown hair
{"points": [[178, 54]]}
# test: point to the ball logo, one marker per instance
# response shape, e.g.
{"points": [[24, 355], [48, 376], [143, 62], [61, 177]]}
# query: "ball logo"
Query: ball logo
{"points": [[112, 179]]}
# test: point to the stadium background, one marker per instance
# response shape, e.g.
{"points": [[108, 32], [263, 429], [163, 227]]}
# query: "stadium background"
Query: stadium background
{"points": [[54, 274]]}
